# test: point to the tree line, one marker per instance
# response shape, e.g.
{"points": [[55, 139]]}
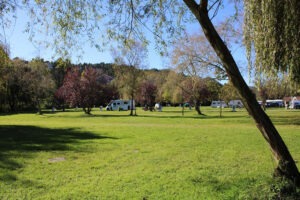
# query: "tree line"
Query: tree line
{"points": [[32, 85]]}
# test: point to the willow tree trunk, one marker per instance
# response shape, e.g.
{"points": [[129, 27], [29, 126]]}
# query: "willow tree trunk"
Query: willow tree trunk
{"points": [[286, 164]]}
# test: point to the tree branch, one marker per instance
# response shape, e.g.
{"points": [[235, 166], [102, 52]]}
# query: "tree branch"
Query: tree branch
{"points": [[193, 6]]}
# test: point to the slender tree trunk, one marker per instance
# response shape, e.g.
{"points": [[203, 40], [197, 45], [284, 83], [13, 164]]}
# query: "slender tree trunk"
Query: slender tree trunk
{"points": [[131, 105], [221, 108], [87, 110], [39, 107], [286, 164], [197, 107]]}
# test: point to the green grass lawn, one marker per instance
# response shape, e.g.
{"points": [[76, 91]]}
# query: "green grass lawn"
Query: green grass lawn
{"points": [[155, 155]]}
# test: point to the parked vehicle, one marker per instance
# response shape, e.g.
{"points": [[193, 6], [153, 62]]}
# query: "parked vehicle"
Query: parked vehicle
{"points": [[274, 103], [236, 104], [218, 104], [295, 104], [120, 104], [187, 104], [158, 107]]}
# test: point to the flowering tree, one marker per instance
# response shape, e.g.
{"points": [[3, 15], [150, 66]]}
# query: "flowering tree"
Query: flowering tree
{"points": [[147, 93], [89, 88], [83, 89], [70, 90]]}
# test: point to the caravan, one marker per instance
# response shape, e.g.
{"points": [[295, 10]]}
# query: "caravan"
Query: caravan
{"points": [[274, 103], [235, 104], [218, 104], [120, 105], [295, 104]]}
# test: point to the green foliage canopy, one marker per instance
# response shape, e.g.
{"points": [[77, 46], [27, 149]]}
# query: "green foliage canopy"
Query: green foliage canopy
{"points": [[272, 35]]}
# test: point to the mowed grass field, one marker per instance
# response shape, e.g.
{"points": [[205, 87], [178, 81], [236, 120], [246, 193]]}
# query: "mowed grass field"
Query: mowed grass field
{"points": [[155, 155]]}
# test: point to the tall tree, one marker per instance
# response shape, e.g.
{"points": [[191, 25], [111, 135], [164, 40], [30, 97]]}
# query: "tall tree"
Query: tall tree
{"points": [[195, 57], [147, 94], [194, 91], [70, 90], [59, 70], [86, 88], [172, 93], [228, 92], [4, 62], [26, 85], [89, 88], [127, 71], [17, 85], [41, 85], [286, 164]]}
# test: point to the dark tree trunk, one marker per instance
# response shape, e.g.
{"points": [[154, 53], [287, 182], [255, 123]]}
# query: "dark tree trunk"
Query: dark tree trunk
{"points": [[286, 164], [131, 106], [12, 101], [197, 107], [39, 107], [87, 110]]}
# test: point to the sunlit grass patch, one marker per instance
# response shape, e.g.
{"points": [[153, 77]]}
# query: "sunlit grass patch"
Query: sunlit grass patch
{"points": [[155, 155]]}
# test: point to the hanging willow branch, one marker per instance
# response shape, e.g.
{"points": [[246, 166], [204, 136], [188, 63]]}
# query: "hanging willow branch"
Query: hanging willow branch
{"points": [[272, 31]]}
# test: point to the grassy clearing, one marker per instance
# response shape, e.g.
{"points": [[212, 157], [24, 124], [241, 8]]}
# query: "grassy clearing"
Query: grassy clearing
{"points": [[155, 155]]}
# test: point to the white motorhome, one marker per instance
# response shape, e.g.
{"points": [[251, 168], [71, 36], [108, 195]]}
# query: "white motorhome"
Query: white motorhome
{"points": [[120, 104], [218, 104], [274, 103], [295, 104], [235, 103]]}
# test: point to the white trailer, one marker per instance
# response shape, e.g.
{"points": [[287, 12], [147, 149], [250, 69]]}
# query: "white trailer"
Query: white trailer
{"points": [[295, 104], [120, 104], [235, 103], [218, 104]]}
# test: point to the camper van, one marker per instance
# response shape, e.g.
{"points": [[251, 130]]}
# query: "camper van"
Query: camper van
{"points": [[235, 103], [274, 103], [218, 104], [295, 104], [120, 104]]}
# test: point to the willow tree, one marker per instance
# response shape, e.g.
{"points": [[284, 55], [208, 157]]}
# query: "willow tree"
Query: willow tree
{"points": [[286, 164], [272, 42], [66, 21], [272, 36], [194, 57]]}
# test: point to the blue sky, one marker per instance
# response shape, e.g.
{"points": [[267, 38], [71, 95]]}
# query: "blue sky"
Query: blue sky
{"points": [[20, 46]]}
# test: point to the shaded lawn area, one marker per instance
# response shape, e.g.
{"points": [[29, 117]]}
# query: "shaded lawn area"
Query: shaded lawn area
{"points": [[18, 141]]}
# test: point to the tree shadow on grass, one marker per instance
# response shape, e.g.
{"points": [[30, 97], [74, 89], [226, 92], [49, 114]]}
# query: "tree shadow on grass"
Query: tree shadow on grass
{"points": [[22, 141], [164, 116], [283, 120]]}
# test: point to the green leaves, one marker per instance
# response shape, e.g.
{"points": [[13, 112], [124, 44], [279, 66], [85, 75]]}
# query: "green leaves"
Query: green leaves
{"points": [[272, 31]]}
